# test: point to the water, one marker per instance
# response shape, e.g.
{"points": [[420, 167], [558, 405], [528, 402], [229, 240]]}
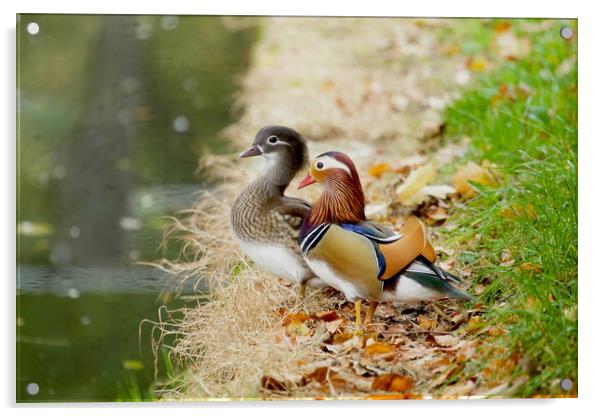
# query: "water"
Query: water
{"points": [[113, 113]]}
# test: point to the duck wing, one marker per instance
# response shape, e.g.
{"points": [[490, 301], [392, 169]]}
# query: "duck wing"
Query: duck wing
{"points": [[395, 251], [291, 210]]}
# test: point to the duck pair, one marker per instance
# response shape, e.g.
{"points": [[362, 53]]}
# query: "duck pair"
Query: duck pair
{"points": [[331, 243]]}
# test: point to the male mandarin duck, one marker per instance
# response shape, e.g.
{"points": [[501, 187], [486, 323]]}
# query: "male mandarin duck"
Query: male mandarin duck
{"points": [[362, 259], [266, 223]]}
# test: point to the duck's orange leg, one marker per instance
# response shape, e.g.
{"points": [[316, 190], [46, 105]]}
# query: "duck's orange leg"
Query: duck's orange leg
{"points": [[370, 313], [358, 314]]}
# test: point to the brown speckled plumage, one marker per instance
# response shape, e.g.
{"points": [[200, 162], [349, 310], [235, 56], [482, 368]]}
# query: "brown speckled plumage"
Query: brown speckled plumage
{"points": [[262, 215]]}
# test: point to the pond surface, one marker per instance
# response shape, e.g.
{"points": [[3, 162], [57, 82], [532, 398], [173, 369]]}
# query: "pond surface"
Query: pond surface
{"points": [[113, 114]]}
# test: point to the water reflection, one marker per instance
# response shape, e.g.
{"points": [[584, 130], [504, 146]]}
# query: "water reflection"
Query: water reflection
{"points": [[113, 113]]}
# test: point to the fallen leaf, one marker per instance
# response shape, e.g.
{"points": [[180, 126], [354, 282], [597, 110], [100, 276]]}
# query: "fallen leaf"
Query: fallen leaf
{"points": [[446, 340], [373, 210], [477, 64], [297, 328], [295, 318], [507, 259], [404, 166], [511, 47], [327, 85], [459, 389], [571, 313], [327, 316], [270, 383], [452, 49], [501, 26], [470, 172], [392, 382], [427, 324], [378, 169], [377, 348], [496, 331], [333, 326], [408, 193], [531, 267], [474, 323], [438, 191], [438, 214], [342, 337], [319, 375]]}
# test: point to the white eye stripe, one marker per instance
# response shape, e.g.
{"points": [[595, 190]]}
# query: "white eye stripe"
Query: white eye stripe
{"points": [[278, 141], [331, 163]]}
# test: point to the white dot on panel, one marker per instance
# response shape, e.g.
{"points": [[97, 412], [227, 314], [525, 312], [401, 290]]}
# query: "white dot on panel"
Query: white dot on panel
{"points": [[181, 124], [190, 84], [33, 28], [169, 22], [74, 232], [147, 201], [59, 172], [144, 31], [130, 223]]}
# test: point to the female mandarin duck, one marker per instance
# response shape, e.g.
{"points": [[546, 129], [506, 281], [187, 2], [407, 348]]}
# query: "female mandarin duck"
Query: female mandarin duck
{"points": [[266, 223], [362, 259]]}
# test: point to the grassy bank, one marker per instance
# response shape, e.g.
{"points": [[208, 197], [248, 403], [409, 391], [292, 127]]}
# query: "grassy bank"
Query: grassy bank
{"points": [[520, 238]]}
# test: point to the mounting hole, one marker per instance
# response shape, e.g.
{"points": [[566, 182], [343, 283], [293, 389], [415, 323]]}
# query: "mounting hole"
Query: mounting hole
{"points": [[33, 28], [566, 384], [33, 389], [567, 33]]}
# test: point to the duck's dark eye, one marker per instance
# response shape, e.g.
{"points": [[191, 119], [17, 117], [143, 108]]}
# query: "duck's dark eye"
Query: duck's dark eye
{"points": [[319, 165], [272, 139]]}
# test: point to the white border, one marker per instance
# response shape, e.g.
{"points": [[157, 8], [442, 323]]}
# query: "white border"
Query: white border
{"points": [[590, 178]]}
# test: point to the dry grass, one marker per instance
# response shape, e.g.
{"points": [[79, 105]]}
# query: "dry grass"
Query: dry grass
{"points": [[341, 82]]}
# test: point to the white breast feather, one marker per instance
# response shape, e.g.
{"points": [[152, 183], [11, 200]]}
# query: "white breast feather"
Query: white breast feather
{"points": [[278, 260]]}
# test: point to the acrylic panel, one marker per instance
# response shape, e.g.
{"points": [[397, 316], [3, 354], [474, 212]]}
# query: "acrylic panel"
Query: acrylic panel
{"points": [[214, 207]]}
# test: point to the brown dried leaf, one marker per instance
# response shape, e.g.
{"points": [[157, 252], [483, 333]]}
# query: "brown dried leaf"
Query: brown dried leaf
{"points": [[327, 316], [459, 389], [333, 326], [319, 375], [438, 191], [297, 329], [342, 337], [270, 383], [531, 267], [392, 383], [378, 169], [470, 172], [511, 47], [426, 323], [408, 193], [478, 64], [377, 348], [446, 340], [295, 318]]}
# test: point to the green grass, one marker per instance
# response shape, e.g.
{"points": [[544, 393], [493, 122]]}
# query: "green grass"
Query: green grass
{"points": [[530, 133]]}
